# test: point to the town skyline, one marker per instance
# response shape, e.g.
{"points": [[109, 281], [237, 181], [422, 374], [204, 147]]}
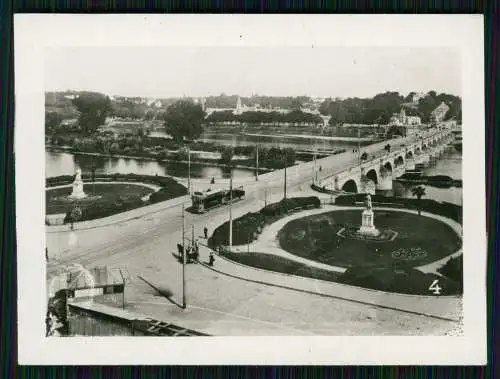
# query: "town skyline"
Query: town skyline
{"points": [[322, 72]]}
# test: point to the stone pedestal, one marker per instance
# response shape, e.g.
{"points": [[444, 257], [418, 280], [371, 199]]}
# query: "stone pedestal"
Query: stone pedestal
{"points": [[385, 182], [78, 187], [367, 224], [410, 164]]}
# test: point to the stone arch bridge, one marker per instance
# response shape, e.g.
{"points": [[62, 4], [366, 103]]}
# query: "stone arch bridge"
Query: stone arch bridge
{"points": [[379, 169]]}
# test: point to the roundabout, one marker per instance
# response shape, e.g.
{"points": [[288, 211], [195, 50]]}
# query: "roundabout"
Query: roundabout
{"points": [[406, 257], [331, 238]]}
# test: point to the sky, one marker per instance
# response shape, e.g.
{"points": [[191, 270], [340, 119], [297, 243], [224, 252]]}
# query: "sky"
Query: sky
{"points": [[284, 71]]}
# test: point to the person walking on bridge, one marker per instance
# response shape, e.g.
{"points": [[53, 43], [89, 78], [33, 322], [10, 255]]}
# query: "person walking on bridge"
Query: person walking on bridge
{"points": [[205, 232]]}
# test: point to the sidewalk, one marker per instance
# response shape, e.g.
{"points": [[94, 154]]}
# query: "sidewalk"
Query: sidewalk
{"points": [[122, 217], [444, 307]]}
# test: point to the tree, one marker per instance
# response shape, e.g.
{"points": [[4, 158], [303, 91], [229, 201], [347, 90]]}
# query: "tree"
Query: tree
{"points": [[227, 154], [52, 121], [183, 120], [418, 192], [93, 108]]}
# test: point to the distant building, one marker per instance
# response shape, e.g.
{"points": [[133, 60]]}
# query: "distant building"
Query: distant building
{"points": [[417, 96], [400, 119], [438, 114]]}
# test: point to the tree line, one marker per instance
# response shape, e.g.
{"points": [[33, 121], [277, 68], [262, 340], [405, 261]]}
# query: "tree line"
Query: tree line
{"points": [[380, 108], [257, 118]]}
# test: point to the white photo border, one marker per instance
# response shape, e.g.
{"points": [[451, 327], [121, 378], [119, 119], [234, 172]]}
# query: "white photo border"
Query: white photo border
{"points": [[34, 33]]}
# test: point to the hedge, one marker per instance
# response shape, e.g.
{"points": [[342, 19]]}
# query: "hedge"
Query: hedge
{"points": [[169, 190], [399, 279], [247, 227], [453, 269], [279, 264], [444, 209]]}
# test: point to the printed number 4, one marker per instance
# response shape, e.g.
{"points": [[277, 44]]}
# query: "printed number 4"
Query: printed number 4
{"points": [[434, 287]]}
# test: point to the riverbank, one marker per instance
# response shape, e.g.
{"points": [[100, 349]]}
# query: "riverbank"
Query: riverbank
{"points": [[156, 158], [309, 136], [439, 181]]}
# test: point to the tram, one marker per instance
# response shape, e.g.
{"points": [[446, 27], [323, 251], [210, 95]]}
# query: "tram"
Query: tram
{"points": [[204, 201]]}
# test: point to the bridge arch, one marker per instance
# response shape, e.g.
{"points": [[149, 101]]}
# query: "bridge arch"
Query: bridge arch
{"points": [[409, 155], [372, 175], [388, 166], [417, 150], [350, 186], [399, 161]]}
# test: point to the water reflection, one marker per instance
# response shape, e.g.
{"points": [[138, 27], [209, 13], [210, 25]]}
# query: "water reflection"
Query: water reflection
{"points": [[450, 164], [66, 163]]}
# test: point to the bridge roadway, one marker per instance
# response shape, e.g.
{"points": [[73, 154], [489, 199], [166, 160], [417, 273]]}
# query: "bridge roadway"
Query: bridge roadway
{"points": [[218, 304]]}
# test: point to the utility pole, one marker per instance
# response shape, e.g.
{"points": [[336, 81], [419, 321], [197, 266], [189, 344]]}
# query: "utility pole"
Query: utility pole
{"points": [[265, 197], [189, 170], [231, 212], [192, 235], [359, 152], [183, 262], [257, 164], [285, 173]]}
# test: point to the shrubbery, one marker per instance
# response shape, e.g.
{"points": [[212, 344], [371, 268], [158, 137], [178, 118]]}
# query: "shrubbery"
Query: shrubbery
{"points": [[400, 279], [453, 269], [444, 209], [169, 190], [247, 227], [287, 205], [280, 264]]}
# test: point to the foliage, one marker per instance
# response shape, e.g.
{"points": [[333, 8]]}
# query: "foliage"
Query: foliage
{"points": [[52, 121], [93, 108], [247, 227], [453, 269], [445, 209], [380, 108], [399, 279], [122, 202], [418, 192], [258, 117], [227, 154], [280, 264], [183, 120], [317, 237]]}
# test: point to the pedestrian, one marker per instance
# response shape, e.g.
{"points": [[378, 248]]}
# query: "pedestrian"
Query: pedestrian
{"points": [[205, 232], [212, 181], [211, 259], [46, 254]]}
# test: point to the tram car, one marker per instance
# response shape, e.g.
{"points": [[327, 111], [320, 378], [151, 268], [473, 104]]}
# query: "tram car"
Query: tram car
{"points": [[203, 201]]}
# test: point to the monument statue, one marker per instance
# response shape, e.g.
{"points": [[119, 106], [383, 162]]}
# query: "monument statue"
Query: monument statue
{"points": [[367, 220], [78, 186], [368, 201]]}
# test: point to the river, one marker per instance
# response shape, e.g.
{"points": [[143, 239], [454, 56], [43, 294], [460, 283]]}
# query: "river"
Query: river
{"points": [[57, 163], [450, 164], [304, 143]]}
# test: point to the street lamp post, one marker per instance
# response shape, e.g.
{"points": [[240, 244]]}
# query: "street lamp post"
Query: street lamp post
{"points": [[257, 163], [231, 211], [183, 262], [286, 162], [189, 169]]}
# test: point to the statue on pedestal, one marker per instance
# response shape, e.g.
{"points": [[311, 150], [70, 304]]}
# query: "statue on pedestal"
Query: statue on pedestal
{"points": [[78, 186], [367, 220]]}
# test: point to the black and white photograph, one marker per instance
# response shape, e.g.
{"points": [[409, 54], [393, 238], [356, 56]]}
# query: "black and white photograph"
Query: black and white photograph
{"points": [[252, 188]]}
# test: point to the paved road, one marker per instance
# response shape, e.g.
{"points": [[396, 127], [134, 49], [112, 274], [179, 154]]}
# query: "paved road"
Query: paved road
{"points": [[219, 304]]}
